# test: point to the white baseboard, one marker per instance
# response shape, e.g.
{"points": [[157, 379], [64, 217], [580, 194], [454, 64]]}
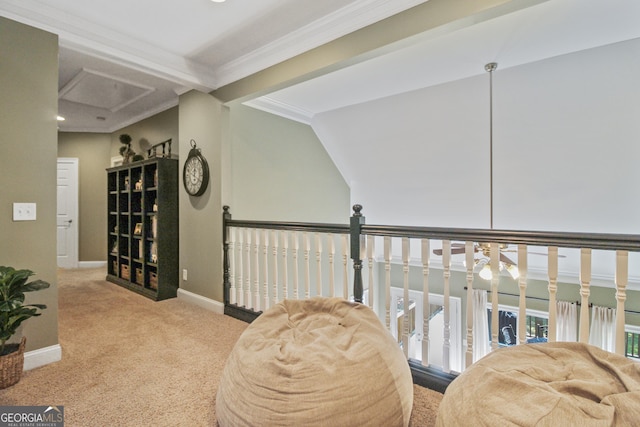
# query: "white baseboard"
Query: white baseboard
{"points": [[92, 264], [200, 301], [42, 356]]}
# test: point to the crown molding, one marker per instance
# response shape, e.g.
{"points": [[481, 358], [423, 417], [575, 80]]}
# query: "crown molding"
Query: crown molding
{"points": [[82, 36], [350, 18], [273, 106]]}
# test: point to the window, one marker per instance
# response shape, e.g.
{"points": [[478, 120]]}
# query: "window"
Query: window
{"points": [[633, 341], [536, 326]]}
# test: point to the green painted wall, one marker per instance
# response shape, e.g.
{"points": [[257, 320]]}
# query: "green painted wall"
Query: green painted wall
{"points": [[93, 153], [154, 129], [28, 109], [281, 171], [201, 119]]}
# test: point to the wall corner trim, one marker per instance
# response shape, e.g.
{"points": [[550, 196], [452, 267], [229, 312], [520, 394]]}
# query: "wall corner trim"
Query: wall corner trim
{"points": [[42, 356], [200, 301]]}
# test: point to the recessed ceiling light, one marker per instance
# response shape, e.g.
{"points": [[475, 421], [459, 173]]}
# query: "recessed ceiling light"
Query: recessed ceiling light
{"points": [[218, 1], [60, 118]]}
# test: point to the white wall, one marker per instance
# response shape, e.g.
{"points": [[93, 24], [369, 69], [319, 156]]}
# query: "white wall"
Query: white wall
{"points": [[565, 147], [566, 142], [416, 158]]}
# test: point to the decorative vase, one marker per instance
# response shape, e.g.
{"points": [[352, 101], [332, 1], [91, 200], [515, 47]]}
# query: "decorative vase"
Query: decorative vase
{"points": [[11, 366]]}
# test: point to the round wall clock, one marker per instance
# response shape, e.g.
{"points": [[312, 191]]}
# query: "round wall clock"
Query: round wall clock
{"points": [[195, 174]]}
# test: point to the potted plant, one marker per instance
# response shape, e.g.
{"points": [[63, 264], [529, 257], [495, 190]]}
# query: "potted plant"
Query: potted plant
{"points": [[127, 153], [13, 311]]}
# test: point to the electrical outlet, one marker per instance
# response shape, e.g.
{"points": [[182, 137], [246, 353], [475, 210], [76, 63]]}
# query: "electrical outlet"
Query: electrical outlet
{"points": [[24, 211], [184, 274]]}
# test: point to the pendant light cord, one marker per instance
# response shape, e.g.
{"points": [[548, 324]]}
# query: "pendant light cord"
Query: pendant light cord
{"points": [[490, 67]]}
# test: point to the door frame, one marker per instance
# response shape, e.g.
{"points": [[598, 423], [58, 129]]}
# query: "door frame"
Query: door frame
{"points": [[74, 207]]}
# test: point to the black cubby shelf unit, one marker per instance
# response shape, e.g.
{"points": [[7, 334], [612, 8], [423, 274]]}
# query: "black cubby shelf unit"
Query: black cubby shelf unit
{"points": [[142, 203]]}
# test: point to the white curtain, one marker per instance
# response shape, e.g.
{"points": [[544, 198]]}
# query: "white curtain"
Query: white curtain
{"points": [[603, 328], [481, 344], [566, 321]]}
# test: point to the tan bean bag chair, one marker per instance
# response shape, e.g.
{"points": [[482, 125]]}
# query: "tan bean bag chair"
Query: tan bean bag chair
{"points": [[554, 384], [317, 362]]}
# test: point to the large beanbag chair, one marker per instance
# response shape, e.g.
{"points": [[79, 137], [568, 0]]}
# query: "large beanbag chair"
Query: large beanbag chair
{"points": [[316, 362], [551, 384]]}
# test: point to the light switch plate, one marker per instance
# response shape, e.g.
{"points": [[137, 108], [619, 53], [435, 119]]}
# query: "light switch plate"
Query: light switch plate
{"points": [[24, 211]]}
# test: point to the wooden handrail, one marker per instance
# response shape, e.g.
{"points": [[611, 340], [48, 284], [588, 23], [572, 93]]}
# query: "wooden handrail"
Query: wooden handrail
{"points": [[627, 242]]}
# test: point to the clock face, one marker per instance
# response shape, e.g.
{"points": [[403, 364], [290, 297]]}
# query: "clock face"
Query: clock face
{"points": [[196, 175]]}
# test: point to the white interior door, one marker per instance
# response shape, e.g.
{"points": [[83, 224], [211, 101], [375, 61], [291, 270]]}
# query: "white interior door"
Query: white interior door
{"points": [[67, 218]]}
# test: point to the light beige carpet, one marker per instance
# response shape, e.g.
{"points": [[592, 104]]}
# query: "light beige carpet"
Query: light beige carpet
{"points": [[129, 361]]}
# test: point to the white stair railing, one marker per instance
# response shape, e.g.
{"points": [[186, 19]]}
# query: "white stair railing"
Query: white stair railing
{"points": [[264, 268]]}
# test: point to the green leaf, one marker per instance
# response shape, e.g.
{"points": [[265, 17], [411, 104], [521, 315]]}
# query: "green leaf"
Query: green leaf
{"points": [[13, 285], [36, 285]]}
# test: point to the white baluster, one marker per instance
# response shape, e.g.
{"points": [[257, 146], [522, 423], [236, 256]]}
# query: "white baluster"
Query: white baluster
{"points": [[239, 255], [425, 301], [247, 268], [469, 252], [265, 269], [285, 264], [585, 283], [522, 284], [232, 265], [622, 279], [553, 290], [446, 274], [318, 264], [405, 301], [370, 255], [307, 273], [345, 266], [274, 256], [332, 272], [387, 281], [494, 253], [256, 272], [296, 247]]}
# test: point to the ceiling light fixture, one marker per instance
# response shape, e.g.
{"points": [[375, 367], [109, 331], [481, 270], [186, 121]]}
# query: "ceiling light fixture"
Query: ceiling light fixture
{"points": [[218, 1], [513, 271], [483, 264], [485, 273], [60, 118], [505, 263]]}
